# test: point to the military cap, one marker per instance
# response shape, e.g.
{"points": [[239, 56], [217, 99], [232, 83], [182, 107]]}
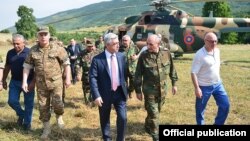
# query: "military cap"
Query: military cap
{"points": [[90, 42], [43, 29]]}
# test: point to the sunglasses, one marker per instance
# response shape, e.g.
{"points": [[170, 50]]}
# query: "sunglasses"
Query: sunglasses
{"points": [[212, 41]]}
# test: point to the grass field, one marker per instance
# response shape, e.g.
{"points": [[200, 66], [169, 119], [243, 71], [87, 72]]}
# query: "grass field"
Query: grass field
{"points": [[82, 122]]}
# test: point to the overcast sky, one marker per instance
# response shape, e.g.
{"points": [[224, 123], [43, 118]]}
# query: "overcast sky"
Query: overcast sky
{"points": [[42, 8]]}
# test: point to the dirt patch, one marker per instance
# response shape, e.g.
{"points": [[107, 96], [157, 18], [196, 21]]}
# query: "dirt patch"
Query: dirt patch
{"points": [[5, 39]]}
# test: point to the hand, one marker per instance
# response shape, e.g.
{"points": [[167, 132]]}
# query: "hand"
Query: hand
{"points": [[78, 77], [98, 101], [139, 96], [1, 87], [25, 87], [67, 83], [31, 86], [134, 57], [198, 93], [5, 86], [73, 57], [174, 90]]}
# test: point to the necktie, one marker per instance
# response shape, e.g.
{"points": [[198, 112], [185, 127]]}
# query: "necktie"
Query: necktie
{"points": [[113, 73], [73, 48]]}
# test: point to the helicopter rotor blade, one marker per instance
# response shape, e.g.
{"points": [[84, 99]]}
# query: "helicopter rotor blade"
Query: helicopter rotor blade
{"points": [[176, 8], [210, 0]]}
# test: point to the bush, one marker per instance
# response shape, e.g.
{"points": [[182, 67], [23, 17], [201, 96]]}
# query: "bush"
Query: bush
{"points": [[5, 31], [66, 37]]}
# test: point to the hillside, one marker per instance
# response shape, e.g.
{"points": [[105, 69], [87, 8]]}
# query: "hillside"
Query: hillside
{"points": [[115, 11]]}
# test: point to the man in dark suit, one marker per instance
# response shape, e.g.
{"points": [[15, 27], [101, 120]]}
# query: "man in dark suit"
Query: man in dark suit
{"points": [[73, 51], [108, 86]]}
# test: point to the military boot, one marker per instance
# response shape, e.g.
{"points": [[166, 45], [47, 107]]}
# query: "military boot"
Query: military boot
{"points": [[60, 122], [46, 131]]}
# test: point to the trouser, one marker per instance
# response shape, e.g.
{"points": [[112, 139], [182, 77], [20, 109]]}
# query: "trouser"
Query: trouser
{"points": [[15, 89], [130, 83], [86, 92], [120, 105], [50, 97], [153, 104], [73, 72], [222, 101]]}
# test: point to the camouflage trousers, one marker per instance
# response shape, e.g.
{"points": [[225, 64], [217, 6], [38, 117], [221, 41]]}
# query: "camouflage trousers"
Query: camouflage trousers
{"points": [[86, 93], [130, 82], [48, 98], [153, 106]]}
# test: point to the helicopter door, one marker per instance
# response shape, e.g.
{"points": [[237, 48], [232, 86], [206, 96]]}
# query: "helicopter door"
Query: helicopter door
{"points": [[139, 30], [147, 19], [121, 34]]}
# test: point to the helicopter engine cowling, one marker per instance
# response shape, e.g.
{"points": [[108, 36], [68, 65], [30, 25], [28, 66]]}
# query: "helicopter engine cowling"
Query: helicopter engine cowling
{"points": [[174, 47]]}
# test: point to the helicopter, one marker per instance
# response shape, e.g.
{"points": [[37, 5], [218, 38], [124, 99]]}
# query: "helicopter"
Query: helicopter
{"points": [[182, 31]]}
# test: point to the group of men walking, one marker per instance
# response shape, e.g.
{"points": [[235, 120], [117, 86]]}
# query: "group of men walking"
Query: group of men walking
{"points": [[109, 76]]}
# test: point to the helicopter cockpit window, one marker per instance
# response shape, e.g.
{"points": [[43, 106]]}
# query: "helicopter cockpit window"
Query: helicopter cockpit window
{"points": [[158, 20], [181, 14], [147, 19], [164, 19]]}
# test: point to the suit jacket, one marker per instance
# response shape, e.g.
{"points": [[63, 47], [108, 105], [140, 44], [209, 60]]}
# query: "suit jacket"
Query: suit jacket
{"points": [[100, 78], [73, 53]]}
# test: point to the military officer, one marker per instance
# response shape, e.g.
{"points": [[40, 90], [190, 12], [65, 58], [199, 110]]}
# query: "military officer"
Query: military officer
{"points": [[47, 58], [153, 67], [83, 66], [100, 43], [130, 51]]}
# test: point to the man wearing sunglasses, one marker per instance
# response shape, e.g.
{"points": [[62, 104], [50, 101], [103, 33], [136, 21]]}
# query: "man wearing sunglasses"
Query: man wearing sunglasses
{"points": [[205, 74]]}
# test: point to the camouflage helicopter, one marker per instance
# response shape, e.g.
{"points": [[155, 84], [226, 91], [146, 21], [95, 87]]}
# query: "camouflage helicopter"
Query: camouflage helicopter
{"points": [[183, 32]]}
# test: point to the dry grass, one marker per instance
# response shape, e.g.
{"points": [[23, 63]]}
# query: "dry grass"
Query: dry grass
{"points": [[96, 29], [5, 40], [82, 122]]}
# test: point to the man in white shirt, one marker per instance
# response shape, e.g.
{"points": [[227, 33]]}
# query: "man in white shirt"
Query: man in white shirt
{"points": [[205, 74]]}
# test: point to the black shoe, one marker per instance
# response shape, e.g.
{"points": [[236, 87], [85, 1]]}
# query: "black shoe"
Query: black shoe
{"points": [[20, 121], [147, 129], [27, 128]]}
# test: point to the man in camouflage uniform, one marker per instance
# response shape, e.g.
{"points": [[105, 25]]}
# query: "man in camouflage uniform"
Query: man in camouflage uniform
{"points": [[130, 50], [83, 66], [47, 58], [100, 44], [153, 67], [1, 72], [83, 46]]}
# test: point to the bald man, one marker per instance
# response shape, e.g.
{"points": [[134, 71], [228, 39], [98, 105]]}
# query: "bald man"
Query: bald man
{"points": [[205, 74], [154, 66]]}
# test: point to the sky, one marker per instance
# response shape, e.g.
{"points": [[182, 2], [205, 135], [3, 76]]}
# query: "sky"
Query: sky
{"points": [[41, 8]]}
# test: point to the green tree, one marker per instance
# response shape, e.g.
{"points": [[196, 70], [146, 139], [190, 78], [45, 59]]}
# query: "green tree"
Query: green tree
{"points": [[5, 31], [220, 9], [26, 24], [52, 30]]}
